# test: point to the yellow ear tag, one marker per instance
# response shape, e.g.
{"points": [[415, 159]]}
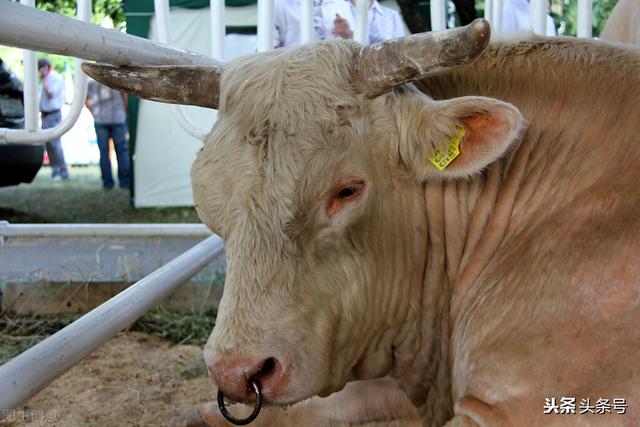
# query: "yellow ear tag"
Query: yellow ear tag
{"points": [[440, 160]]}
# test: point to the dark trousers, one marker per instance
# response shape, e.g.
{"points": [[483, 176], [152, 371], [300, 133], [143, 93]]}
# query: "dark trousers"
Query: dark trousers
{"points": [[117, 131], [54, 148]]}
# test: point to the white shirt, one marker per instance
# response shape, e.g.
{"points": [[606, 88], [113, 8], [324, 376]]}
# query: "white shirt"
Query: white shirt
{"points": [[287, 22], [55, 86], [516, 18], [384, 23]]}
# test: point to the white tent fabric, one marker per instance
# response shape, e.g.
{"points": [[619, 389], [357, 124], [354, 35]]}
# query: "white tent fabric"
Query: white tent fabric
{"points": [[164, 151]]}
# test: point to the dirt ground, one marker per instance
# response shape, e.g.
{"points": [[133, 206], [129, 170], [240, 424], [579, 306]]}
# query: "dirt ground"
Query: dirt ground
{"points": [[134, 380]]}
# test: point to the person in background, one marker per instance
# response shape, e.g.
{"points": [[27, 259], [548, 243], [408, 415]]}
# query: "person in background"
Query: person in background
{"points": [[516, 19], [287, 22], [108, 107], [51, 101], [384, 23]]}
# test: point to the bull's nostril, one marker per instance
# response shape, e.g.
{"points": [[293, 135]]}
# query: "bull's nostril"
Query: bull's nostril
{"points": [[269, 367]]}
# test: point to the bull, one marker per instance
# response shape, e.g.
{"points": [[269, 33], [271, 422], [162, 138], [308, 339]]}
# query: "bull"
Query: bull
{"points": [[464, 223]]}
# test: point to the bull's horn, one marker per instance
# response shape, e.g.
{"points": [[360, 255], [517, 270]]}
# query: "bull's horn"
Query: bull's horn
{"points": [[175, 84], [383, 65]]}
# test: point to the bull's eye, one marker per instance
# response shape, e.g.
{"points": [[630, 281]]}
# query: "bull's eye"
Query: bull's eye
{"points": [[346, 191]]}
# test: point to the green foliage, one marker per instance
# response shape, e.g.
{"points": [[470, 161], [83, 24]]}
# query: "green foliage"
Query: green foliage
{"points": [[182, 328], [100, 9], [565, 15]]}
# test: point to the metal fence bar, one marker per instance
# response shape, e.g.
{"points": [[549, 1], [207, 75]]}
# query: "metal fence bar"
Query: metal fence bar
{"points": [[31, 134], [8, 230], [438, 15], [496, 15], [28, 373], [539, 16], [488, 11], [29, 96], [361, 30], [585, 18], [306, 21], [161, 8], [265, 25], [29, 28], [218, 29]]}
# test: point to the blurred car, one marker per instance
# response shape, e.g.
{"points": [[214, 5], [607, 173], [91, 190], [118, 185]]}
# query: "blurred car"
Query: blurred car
{"points": [[18, 162]]}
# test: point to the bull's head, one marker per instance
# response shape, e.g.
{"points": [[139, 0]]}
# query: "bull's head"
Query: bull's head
{"points": [[313, 174]]}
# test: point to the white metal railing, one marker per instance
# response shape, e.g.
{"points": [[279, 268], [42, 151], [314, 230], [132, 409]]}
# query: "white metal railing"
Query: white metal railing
{"points": [[48, 32], [438, 15], [306, 21], [493, 10], [31, 134], [28, 28], [361, 30], [8, 230], [585, 18], [216, 10], [161, 8], [28, 373]]}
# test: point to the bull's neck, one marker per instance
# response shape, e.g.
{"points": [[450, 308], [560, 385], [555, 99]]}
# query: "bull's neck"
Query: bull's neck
{"points": [[466, 221], [469, 220]]}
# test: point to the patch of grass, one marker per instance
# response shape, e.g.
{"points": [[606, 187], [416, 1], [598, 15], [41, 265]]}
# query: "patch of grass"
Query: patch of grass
{"points": [[80, 199], [18, 333], [181, 328]]}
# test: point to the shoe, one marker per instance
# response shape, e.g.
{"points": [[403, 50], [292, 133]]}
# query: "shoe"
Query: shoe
{"points": [[56, 178]]}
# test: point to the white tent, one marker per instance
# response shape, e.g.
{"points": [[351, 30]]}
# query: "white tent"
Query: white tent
{"points": [[164, 151]]}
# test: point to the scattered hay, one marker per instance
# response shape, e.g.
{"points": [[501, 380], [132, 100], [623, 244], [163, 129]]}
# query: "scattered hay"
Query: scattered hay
{"points": [[18, 333]]}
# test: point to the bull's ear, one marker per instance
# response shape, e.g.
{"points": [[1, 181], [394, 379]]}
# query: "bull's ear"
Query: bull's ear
{"points": [[457, 137], [175, 84]]}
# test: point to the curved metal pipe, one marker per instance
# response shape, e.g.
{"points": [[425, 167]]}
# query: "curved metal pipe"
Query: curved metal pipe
{"points": [[164, 35]]}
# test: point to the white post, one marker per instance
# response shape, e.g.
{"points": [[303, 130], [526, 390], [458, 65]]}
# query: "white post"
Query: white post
{"points": [[584, 18], [496, 23], [29, 28], [30, 95], [161, 9], [488, 11], [162, 14], [265, 25], [306, 21], [438, 15], [361, 30], [539, 16], [217, 29]]}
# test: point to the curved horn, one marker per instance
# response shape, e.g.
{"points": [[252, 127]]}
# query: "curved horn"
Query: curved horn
{"points": [[383, 65], [175, 84]]}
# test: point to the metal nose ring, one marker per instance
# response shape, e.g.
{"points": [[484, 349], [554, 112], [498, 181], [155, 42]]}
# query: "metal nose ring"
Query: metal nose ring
{"points": [[252, 416]]}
